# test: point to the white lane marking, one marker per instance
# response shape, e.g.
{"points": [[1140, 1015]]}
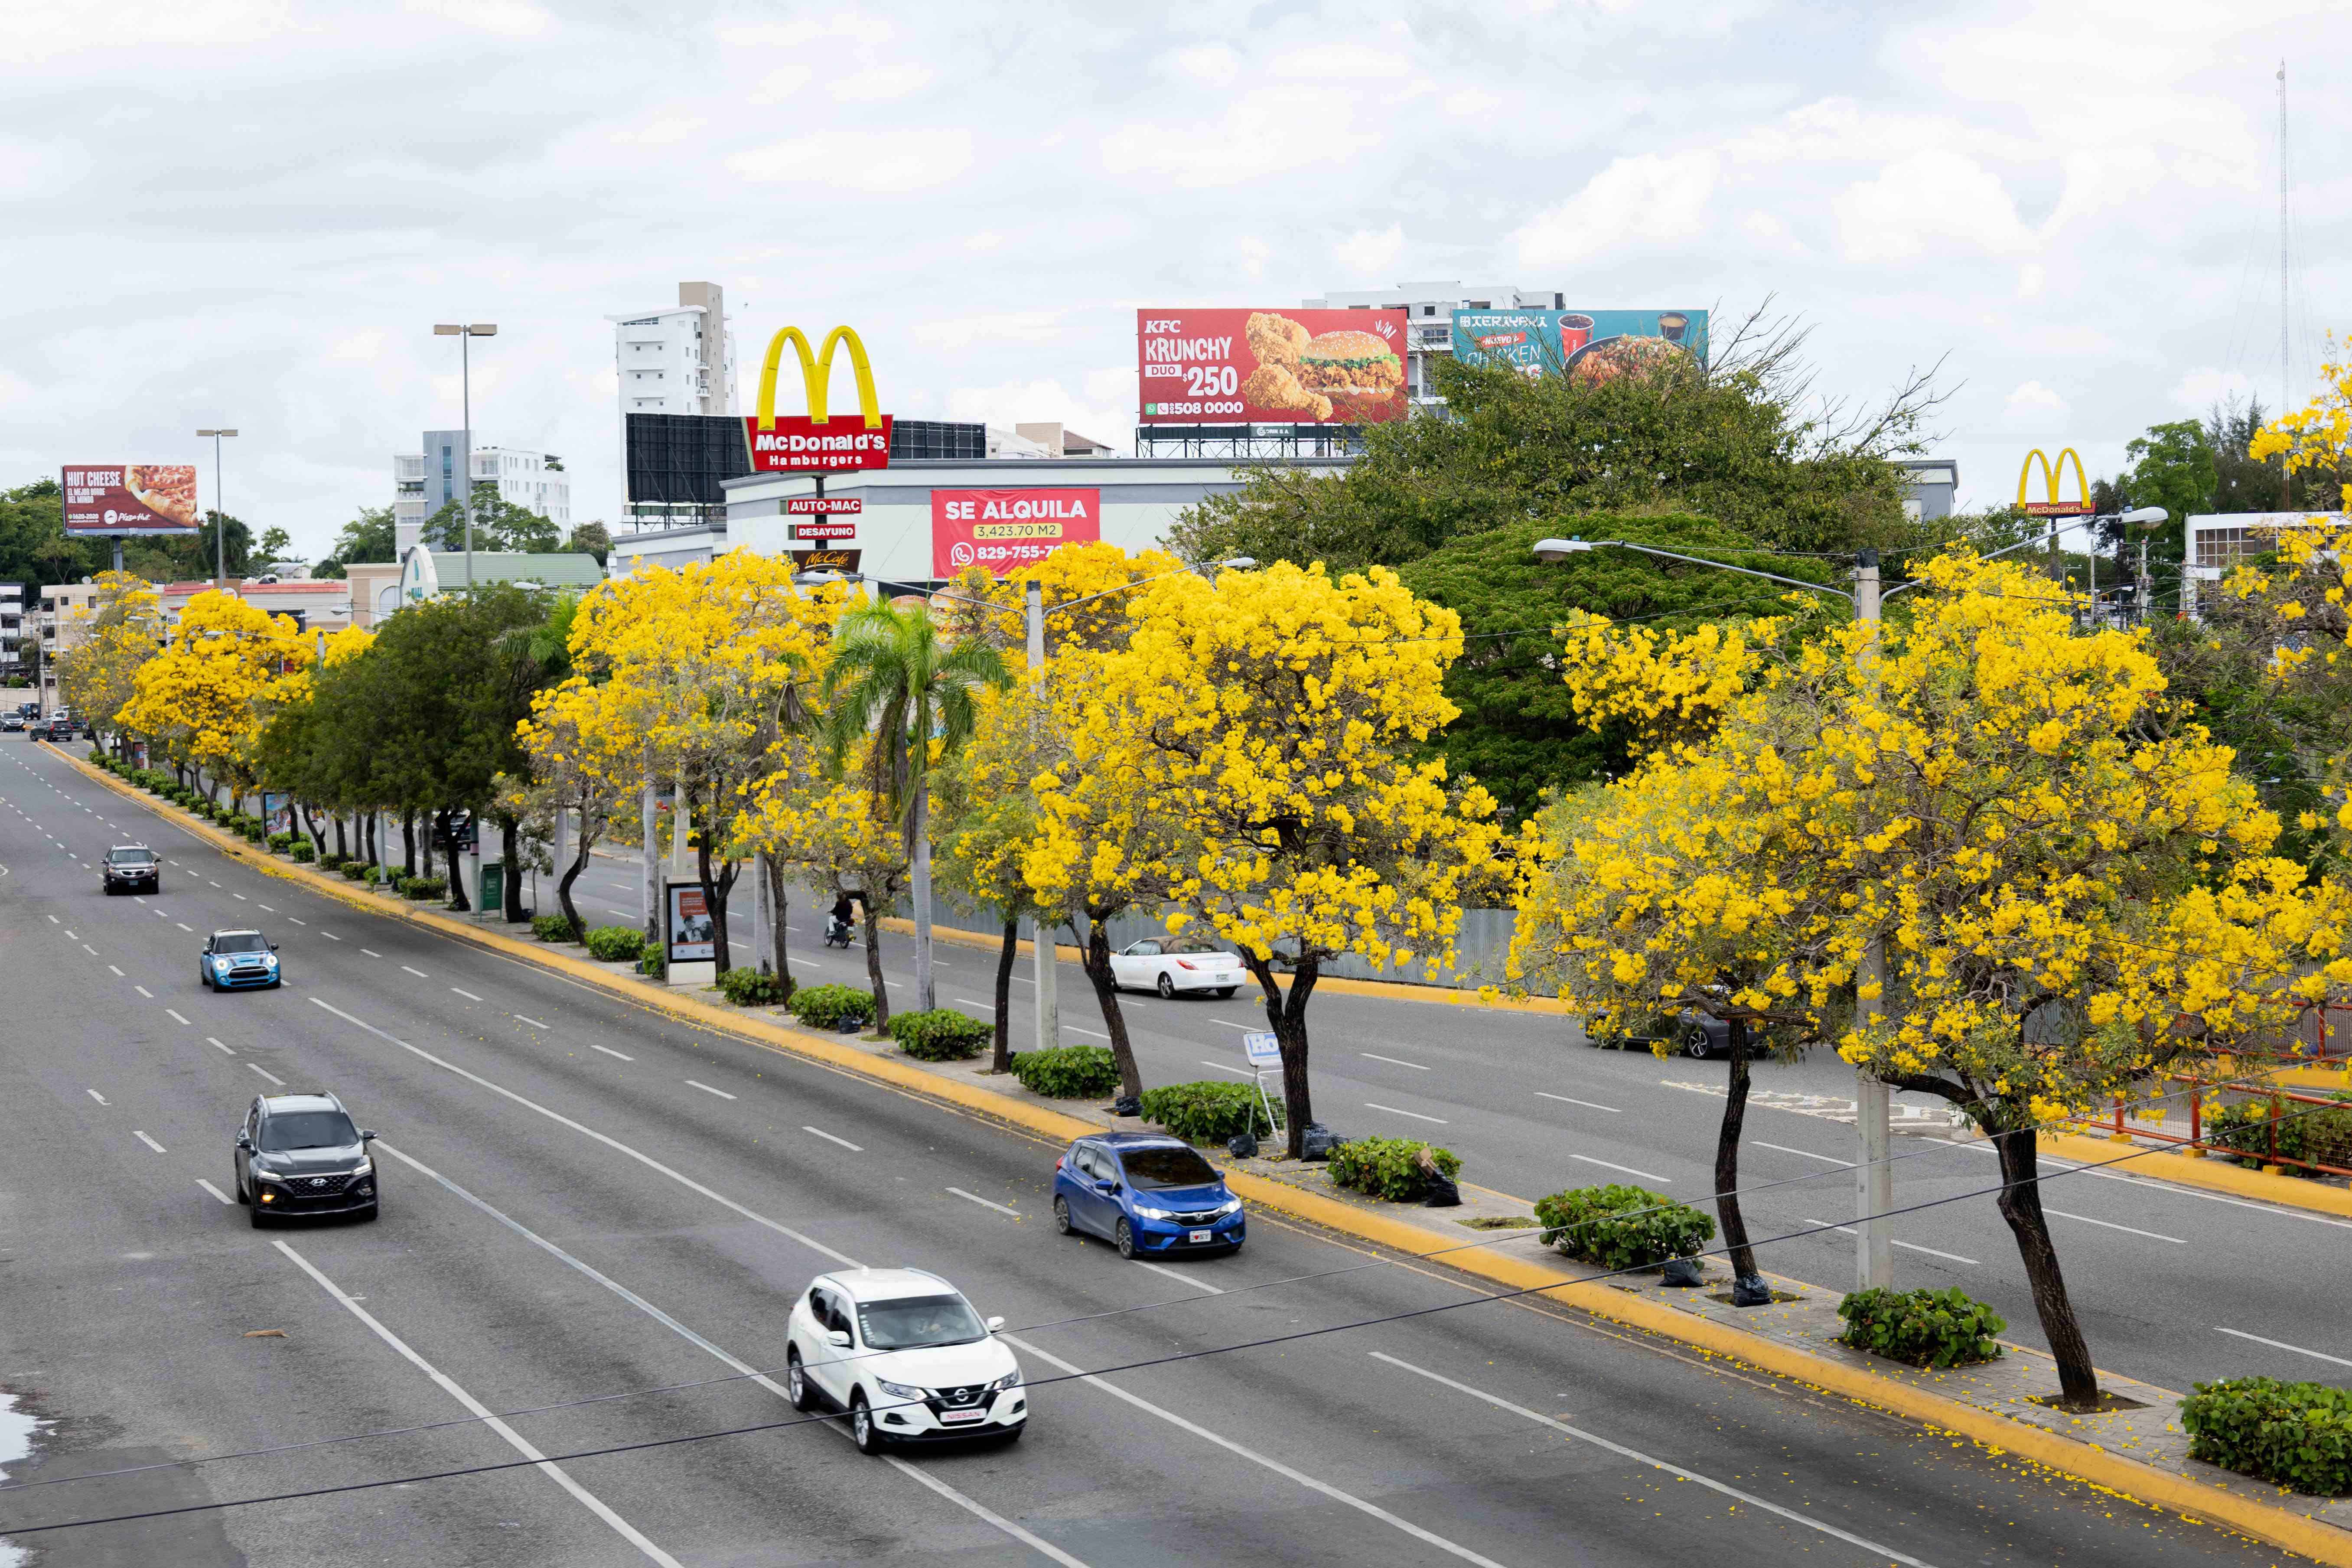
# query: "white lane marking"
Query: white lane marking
{"points": [[134, 898], [53, 921], [210, 1041], [240, 898], [611, 1052], [330, 936], [533, 1022], [216, 1191], [1416, 1115], [95, 1095], [1801, 1153], [70, 936], [93, 952], [1276, 1465], [707, 1090], [371, 953], [1587, 1104], [1095, 1034], [174, 1015], [418, 973], [1751, 1500], [2275, 1211], [298, 919], [466, 995], [482, 1413], [1392, 1062], [183, 925], [1229, 1024], [264, 907], [268, 1074], [647, 1161], [144, 991], [2110, 1224], [2283, 1345], [149, 1142], [1627, 1169], [117, 972], [1906, 1245], [969, 1002], [853, 1148], [1220, 1066], [733, 1363], [1182, 1278], [984, 1203]]}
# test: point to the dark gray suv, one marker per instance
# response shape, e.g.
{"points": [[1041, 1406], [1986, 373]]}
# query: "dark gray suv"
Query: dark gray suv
{"points": [[302, 1154], [132, 868]]}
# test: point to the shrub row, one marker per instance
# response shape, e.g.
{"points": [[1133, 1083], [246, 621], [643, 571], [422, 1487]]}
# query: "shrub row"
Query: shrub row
{"points": [[1389, 1167], [616, 944], [1620, 1226], [941, 1034], [2304, 1133], [747, 987], [829, 1006], [1922, 1328], [2296, 1434], [1067, 1072], [551, 927], [1209, 1113], [421, 888]]}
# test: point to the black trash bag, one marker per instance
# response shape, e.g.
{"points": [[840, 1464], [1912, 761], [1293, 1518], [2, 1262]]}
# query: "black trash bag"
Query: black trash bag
{"points": [[1681, 1273], [1318, 1141], [1749, 1290], [1127, 1105], [850, 1026], [1242, 1145], [1438, 1191]]}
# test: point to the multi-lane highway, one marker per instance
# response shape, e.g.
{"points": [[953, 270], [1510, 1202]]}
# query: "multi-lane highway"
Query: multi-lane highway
{"points": [[595, 1219]]}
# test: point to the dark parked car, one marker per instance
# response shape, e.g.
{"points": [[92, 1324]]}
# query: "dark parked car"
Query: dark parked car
{"points": [[302, 1154], [130, 869]]}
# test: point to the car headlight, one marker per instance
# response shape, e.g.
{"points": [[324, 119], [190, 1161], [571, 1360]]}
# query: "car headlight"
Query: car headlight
{"points": [[365, 1168], [1010, 1380], [268, 1175], [1230, 1206], [220, 962], [900, 1390], [1148, 1212], [269, 961]]}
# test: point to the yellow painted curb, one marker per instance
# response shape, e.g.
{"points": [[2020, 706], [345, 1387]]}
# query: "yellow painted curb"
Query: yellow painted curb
{"points": [[2313, 1076], [1394, 990], [2212, 1173], [2264, 1520]]}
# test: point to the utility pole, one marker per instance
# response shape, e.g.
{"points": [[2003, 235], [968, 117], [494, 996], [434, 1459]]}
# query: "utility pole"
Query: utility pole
{"points": [[1043, 950], [1873, 1178], [220, 513], [464, 333]]}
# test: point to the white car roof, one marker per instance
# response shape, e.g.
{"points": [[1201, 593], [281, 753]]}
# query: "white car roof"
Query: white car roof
{"points": [[888, 1284]]}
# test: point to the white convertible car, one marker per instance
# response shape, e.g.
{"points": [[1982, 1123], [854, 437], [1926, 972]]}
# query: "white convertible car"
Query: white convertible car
{"points": [[1168, 966]]}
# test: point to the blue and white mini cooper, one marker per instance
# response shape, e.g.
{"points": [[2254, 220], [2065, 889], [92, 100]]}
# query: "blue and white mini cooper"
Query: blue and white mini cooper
{"points": [[239, 960]]}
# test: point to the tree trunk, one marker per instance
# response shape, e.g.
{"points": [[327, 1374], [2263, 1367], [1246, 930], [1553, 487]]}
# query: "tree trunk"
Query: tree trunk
{"points": [[1286, 1012], [342, 844], [408, 842], [456, 881], [563, 890], [1094, 957], [926, 996], [777, 906], [1727, 1158], [2021, 1206], [874, 959], [510, 854], [715, 892], [1003, 1061]]}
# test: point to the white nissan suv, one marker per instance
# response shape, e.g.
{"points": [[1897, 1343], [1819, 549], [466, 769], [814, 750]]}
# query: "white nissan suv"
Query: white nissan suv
{"points": [[904, 1353]]}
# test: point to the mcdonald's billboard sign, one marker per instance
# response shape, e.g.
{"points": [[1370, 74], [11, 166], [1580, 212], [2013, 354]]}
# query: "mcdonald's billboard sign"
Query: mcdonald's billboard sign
{"points": [[815, 443], [2049, 505]]}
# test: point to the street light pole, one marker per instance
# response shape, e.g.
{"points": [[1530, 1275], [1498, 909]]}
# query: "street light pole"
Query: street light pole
{"points": [[1873, 1178], [464, 333], [1043, 948], [220, 513]]}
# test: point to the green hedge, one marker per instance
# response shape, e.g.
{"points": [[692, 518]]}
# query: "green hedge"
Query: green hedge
{"points": [[2295, 1435], [357, 870], [551, 928], [941, 1035], [1209, 1113], [829, 1006], [2304, 1133], [616, 944], [420, 887], [1923, 1327], [303, 852], [1621, 1226], [281, 842], [747, 987], [1389, 1167], [1067, 1072], [250, 828]]}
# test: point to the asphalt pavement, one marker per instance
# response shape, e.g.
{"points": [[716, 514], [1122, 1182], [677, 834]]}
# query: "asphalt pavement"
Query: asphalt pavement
{"points": [[596, 1217]]}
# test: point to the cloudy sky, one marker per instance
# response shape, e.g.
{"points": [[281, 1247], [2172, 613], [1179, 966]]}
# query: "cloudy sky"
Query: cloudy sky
{"points": [[251, 212]]}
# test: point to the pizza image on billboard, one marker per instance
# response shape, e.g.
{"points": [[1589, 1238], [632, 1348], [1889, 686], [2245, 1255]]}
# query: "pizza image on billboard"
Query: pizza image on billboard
{"points": [[129, 498], [1270, 367]]}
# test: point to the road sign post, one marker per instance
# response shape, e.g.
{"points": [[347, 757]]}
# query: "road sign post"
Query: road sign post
{"points": [[1264, 1048]]}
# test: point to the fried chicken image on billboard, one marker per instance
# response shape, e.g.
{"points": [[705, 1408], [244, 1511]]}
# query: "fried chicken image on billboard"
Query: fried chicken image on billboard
{"points": [[1274, 339], [1271, 385]]}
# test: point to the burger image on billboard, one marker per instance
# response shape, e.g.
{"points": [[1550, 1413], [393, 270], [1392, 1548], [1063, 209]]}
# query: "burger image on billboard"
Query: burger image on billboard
{"points": [[1318, 366]]}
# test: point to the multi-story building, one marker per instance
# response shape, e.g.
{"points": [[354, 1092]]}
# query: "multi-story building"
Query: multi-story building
{"points": [[1430, 306], [12, 628], [424, 482], [674, 359]]}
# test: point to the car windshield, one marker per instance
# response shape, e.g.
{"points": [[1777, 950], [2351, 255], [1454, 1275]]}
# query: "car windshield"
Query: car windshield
{"points": [[307, 1130], [1168, 1167], [239, 942], [131, 856], [915, 1321]]}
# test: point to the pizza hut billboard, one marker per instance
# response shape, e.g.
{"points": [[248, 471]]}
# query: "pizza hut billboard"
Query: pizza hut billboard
{"points": [[1270, 367], [129, 498], [1007, 530]]}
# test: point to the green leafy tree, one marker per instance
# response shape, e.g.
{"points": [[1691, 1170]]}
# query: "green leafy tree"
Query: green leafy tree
{"points": [[33, 549], [500, 525], [370, 536], [590, 539]]}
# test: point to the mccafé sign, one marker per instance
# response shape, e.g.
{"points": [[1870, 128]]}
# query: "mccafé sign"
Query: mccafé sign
{"points": [[816, 444], [2051, 506]]}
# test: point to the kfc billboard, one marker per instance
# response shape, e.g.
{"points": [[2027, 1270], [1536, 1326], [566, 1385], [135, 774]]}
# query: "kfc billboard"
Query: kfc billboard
{"points": [[1007, 530], [129, 498], [1270, 367]]}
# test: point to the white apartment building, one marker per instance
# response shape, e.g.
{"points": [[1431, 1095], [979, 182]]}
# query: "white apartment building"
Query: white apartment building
{"points": [[12, 628], [1430, 308], [423, 482], [677, 359]]}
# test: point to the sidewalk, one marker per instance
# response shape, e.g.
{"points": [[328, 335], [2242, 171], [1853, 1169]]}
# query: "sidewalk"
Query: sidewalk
{"points": [[2136, 1448]]}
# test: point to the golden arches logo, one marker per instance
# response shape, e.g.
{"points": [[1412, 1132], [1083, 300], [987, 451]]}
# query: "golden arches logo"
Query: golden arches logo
{"points": [[816, 375], [2051, 473]]}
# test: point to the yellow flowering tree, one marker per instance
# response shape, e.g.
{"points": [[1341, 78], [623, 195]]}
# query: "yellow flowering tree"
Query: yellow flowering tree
{"points": [[119, 633], [204, 699], [584, 758], [989, 822], [810, 814], [1251, 757]]}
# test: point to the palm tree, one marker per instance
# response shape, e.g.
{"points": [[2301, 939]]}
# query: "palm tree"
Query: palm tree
{"points": [[892, 674]]}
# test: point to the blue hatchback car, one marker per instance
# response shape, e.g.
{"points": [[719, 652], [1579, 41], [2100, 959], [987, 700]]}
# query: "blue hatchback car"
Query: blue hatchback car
{"points": [[239, 960], [1146, 1194]]}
